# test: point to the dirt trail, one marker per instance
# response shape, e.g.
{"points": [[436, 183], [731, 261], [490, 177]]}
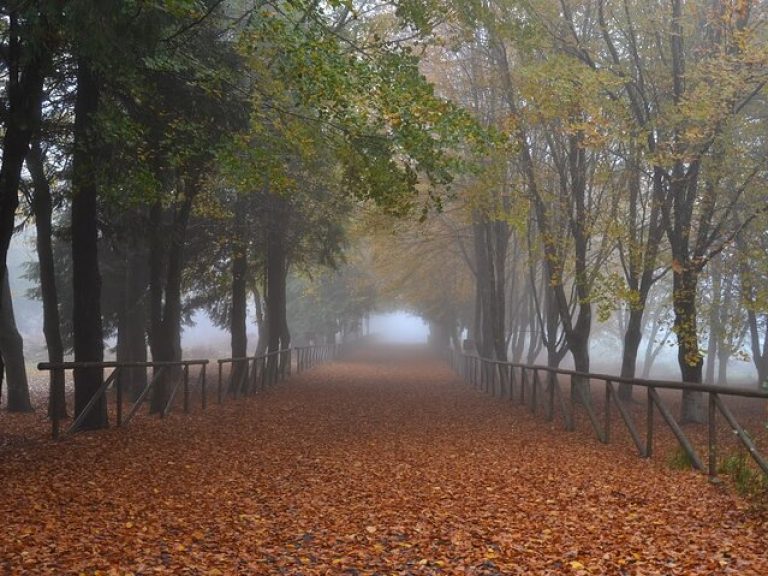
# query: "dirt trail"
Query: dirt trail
{"points": [[381, 464]]}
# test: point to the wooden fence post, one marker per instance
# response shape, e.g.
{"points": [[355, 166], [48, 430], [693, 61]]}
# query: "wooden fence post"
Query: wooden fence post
{"points": [[119, 401], [712, 437], [649, 425], [202, 385], [607, 424], [186, 388], [55, 408], [220, 383]]}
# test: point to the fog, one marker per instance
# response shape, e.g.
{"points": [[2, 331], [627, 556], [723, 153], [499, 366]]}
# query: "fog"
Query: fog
{"points": [[399, 327], [203, 339]]}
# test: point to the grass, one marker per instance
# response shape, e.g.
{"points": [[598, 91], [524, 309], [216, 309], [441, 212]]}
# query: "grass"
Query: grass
{"points": [[748, 480]]}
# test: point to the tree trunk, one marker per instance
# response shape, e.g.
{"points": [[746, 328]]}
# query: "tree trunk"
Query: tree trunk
{"points": [[24, 94], [86, 311], [689, 357], [715, 329], [525, 328], [632, 338], [285, 333], [759, 352], [166, 333], [723, 356], [490, 238], [261, 320], [276, 267], [239, 339], [275, 297], [713, 353], [439, 335], [550, 336], [132, 320], [42, 207], [12, 351], [580, 388]]}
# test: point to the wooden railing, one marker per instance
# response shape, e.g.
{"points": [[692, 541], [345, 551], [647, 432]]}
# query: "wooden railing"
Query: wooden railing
{"points": [[524, 383], [112, 380], [250, 374], [246, 376], [309, 356]]}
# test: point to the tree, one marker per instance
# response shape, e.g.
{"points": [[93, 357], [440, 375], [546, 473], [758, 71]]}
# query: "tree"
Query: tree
{"points": [[426, 268], [12, 352], [687, 88], [42, 208], [26, 54]]}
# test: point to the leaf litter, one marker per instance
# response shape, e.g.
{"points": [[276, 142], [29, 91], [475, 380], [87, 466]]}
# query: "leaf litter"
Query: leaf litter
{"points": [[378, 465]]}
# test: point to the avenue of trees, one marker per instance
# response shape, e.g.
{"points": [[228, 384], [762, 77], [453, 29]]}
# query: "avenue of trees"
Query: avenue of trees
{"points": [[192, 154], [521, 169], [631, 181]]}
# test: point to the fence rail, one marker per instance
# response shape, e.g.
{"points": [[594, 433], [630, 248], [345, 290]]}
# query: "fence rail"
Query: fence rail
{"points": [[309, 356], [161, 369], [247, 376], [524, 383], [250, 374]]}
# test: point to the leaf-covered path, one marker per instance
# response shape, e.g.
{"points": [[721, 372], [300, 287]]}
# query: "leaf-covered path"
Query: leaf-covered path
{"points": [[377, 465]]}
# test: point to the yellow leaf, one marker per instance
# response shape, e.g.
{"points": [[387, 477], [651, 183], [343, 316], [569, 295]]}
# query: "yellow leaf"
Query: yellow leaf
{"points": [[575, 565]]}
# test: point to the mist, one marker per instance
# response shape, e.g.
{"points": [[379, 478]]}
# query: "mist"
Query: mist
{"points": [[399, 328]]}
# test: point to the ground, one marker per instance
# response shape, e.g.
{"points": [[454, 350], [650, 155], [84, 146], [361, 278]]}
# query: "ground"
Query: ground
{"points": [[382, 463]]}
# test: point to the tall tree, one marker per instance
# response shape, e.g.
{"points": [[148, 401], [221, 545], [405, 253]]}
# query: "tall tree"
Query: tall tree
{"points": [[86, 281], [42, 208], [25, 53], [12, 352]]}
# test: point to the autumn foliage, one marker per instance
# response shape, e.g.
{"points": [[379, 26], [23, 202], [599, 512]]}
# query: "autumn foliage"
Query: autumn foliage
{"points": [[375, 465]]}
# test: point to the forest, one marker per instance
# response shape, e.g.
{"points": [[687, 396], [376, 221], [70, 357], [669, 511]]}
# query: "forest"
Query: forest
{"points": [[529, 176], [571, 195]]}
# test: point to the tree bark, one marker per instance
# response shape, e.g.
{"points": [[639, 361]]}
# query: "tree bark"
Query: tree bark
{"points": [[42, 207], [12, 351], [261, 320], [165, 341], [24, 92], [86, 313], [632, 338], [758, 341], [132, 319], [491, 239], [640, 271], [715, 330], [689, 356], [285, 332], [759, 352], [239, 339], [276, 270], [723, 356]]}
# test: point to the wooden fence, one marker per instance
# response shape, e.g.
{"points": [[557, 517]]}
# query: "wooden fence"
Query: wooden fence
{"points": [[309, 356], [247, 376], [160, 370], [524, 383]]}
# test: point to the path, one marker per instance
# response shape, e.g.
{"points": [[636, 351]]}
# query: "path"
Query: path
{"points": [[378, 465]]}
